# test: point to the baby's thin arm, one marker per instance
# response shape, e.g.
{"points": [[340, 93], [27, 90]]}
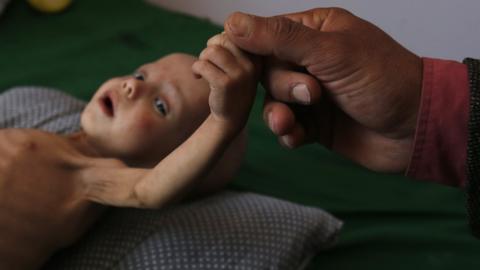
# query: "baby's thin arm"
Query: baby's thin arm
{"points": [[178, 173], [225, 169], [233, 82], [170, 179]]}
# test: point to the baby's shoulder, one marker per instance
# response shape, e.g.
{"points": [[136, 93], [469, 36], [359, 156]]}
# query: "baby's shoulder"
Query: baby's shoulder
{"points": [[27, 135], [17, 143]]}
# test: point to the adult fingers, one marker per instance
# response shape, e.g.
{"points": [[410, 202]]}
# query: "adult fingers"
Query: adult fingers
{"points": [[296, 125], [278, 36], [286, 83], [295, 138], [278, 116], [317, 18], [291, 131]]}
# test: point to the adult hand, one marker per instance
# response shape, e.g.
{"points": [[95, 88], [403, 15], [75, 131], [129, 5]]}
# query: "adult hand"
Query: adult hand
{"points": [[42, 207], [358, 89]]}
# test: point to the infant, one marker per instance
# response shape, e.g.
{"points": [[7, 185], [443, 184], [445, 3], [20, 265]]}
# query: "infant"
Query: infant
{"points": [[172, 128], [165, 112]]}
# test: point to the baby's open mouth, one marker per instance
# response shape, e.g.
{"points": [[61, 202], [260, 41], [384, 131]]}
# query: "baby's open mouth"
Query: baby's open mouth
{"points": [[107, 106]]}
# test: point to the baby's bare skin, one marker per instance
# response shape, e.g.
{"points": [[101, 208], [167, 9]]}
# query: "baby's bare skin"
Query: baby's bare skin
{"points": [[50, 185], [232, 77], [42, 207]]}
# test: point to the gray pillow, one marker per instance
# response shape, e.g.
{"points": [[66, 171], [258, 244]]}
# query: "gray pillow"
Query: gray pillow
{"points": [[227, 231], [230, 230]]}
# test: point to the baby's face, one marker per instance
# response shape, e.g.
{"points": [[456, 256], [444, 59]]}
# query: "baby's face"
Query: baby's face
{"points": [[140, 118]]}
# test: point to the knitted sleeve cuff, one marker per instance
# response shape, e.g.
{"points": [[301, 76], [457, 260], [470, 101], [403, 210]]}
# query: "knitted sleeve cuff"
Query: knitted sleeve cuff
{"points": [[473, 147]]}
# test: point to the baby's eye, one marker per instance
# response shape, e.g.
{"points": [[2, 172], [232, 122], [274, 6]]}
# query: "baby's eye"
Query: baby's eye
{"points": [[139, 76], [160, 106]]}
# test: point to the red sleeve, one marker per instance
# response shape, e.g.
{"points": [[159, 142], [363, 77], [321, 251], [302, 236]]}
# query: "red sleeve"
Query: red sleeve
{"points": [[440, 145]]}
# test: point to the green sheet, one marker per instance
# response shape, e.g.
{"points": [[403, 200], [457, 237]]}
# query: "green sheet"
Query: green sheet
{"points": [[391, 222]]}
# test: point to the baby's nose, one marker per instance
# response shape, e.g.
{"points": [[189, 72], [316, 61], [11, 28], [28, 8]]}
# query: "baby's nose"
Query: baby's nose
{"points": [[132, 88]]}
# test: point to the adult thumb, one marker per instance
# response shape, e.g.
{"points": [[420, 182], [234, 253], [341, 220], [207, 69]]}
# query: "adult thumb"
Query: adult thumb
{"points": [[278, 36]]}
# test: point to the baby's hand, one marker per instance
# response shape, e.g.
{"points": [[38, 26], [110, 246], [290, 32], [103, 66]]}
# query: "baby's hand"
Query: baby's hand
{"points": [[233, 77]]}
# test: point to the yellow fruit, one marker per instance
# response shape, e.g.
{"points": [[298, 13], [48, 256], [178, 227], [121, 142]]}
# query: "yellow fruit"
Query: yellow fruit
{"points": [[50, 6]]}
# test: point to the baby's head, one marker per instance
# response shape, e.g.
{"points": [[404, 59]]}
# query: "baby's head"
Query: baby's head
{"points": [[142, 117]]}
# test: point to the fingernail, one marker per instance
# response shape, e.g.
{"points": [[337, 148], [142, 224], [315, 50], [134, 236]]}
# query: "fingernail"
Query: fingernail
{"points": [[240, 24], [286, 141], [271, 123], [301, 94]]}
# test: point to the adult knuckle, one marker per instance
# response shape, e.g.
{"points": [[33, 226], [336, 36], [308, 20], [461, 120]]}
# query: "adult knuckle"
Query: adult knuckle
{"points": [[340, 45], [339, 12], [286, 31], [281, 27]]}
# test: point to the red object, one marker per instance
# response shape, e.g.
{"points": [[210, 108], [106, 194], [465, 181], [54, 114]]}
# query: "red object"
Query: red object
{"points": [[440, 146]]}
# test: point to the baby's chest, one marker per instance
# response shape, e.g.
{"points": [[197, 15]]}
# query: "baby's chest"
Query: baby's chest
{"points": [[32, 153]]}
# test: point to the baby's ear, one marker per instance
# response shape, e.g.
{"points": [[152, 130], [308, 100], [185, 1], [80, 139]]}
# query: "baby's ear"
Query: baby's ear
{"points": [[227, 166]]}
